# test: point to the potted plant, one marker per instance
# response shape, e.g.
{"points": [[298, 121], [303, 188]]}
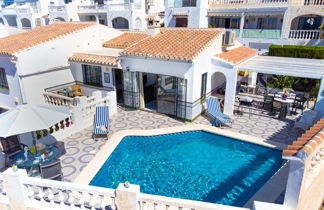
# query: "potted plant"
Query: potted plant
{"points": [[51, 130], [45, 132], [67, 122], [38, 134], [57, 127], [62, 124]]}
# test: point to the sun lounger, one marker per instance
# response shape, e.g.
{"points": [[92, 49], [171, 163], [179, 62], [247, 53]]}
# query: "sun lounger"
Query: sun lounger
{"points": [[214, 111], [101, 122]]}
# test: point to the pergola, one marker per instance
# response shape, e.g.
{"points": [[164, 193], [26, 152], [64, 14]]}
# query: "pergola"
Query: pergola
{"points": [[297, 67]]}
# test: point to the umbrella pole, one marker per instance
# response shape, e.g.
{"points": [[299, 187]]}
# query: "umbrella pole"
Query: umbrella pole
{"points": [[34, 142]]}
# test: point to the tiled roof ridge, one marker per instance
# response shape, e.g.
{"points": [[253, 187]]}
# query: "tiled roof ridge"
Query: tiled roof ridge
{"points": [[12, 52], [308, 141]]}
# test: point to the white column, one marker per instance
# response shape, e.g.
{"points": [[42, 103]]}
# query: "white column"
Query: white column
{"points": [[295, 178], [252, 78], [112, 102], [19, 25], [230, 91], [127, 197], [242, 22], [16, 191], [285, 28], [320, 99]]}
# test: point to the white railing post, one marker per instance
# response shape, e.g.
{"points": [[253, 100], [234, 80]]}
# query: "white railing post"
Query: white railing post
{"points": [[112, 102], [15, 189], [127, 198]]}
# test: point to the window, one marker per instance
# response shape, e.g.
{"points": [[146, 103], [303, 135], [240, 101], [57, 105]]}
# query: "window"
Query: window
{"points": [[92, 75], [189, 3], [203, 86], [3, 79]]}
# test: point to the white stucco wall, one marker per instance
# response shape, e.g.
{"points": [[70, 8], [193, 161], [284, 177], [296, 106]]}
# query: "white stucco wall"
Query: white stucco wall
{"points": [[46, 65], [7, 98]]}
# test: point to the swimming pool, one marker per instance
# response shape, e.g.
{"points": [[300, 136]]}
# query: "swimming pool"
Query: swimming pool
{"points": [[195, 165]]}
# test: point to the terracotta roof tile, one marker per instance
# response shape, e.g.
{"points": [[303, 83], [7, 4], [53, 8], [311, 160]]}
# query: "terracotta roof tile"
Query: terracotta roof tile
{"points": [[309, 140], [174, 43], [237, 55], [125, 40], [17, 42], [94, 59]]}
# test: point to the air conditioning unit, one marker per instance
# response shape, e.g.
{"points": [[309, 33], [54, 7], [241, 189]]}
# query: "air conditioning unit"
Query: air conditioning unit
{"points": [[228, 38]]}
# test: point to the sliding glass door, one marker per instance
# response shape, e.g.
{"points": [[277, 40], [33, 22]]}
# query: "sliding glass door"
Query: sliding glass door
{"points": [[131, 89], [171, 95]]}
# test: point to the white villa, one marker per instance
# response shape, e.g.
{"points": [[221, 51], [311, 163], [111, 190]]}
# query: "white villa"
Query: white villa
{"points": [[166, 70], [130, 15]]}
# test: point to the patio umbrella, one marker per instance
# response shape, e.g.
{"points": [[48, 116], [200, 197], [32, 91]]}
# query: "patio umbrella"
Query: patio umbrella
{"points": [[31, 117]]}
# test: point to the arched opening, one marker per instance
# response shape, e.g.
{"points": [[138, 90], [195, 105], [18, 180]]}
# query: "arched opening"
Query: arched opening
{"points": [[120, 23], [306, 22], [25, 23], [59, 19], [138, 24], [38, 22], [218, 83], [1, 21]]}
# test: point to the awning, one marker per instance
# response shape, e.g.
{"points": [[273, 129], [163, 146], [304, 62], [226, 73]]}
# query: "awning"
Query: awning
{"points": [[180, 14], [94, 59], [297, 67]]}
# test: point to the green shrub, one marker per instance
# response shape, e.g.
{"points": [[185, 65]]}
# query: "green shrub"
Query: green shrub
{"points": [[297, 51]]}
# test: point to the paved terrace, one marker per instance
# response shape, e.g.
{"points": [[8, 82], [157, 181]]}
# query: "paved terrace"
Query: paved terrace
{"points": [[81, 148]]}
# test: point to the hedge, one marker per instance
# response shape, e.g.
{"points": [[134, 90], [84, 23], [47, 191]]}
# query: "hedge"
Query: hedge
{"points": [[297, 51]]}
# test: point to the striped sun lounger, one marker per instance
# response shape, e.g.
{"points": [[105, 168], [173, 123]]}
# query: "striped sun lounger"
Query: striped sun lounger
{"points": [[101, 122], [214, 111]]}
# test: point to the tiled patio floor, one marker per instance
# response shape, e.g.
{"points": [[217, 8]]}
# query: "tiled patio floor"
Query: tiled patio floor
{"points": [[81, 148]]}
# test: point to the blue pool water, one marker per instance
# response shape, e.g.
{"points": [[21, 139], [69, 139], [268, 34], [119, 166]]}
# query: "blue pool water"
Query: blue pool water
{"points": [[194, 165]]}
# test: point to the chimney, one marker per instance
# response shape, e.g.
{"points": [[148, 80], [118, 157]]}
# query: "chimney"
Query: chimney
{"points": [[153, 31]]}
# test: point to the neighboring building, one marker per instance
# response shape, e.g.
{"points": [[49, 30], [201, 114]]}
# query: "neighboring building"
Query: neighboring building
{"points": [[8, 30], [267, 22], [256, 24], [186, 13], [37, 59], [121, 14]]}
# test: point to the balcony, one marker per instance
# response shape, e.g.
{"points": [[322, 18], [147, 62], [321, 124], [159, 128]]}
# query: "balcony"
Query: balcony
{"points": [[9, 11], [57, 9], [119, 7], [304, 34], [244, 4], [262, 33], [99, 8]]}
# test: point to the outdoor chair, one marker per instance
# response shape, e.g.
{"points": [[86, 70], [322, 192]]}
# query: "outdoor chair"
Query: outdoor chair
{"points": [[77, 91], [299, 103], [268, 101], [307, 119], [101, 123], [279, 107], [10, 147], [51, 170], [214, 111], [60, 146]]}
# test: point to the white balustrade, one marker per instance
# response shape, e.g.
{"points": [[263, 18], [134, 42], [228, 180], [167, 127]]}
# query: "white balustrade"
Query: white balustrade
{"points": [[308, 2], [304, 34], [148, 202], [118, 7], [69, 195], [93, 8], [23, 10], [56, 8], [58, 100], [88, 110]]}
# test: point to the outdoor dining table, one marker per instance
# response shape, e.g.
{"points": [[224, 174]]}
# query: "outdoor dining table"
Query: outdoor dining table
{"points": [[286, 102], [35, 160]]}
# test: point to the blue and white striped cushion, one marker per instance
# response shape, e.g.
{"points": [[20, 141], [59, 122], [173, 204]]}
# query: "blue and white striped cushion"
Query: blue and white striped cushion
{"points": [[101, 120]]}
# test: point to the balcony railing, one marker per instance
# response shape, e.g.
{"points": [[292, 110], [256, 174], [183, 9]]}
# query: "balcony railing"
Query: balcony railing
{"points": [[219, 4], [93, 8], [23, 10], [304, 34], [118, 7], [262, 33], [56, 8], [308, 2]]}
